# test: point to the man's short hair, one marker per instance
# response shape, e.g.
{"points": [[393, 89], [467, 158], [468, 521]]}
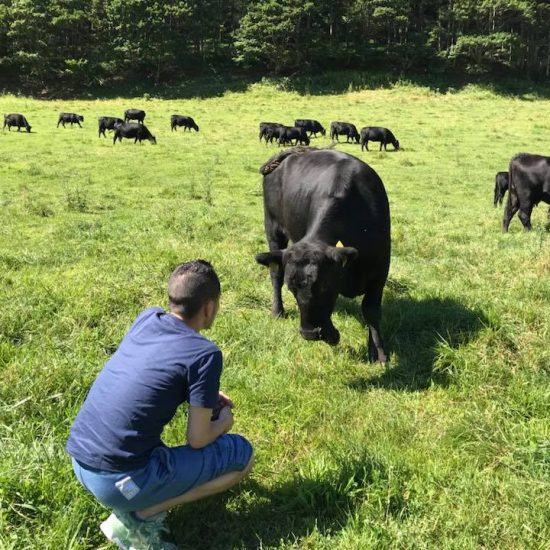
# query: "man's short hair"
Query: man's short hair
{"points": [[192, 285]]}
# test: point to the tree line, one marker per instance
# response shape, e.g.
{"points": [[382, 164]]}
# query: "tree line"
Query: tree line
{"points": [[77, 43]]}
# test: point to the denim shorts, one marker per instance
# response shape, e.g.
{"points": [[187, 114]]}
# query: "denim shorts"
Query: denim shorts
{"points": [[171, 471]]}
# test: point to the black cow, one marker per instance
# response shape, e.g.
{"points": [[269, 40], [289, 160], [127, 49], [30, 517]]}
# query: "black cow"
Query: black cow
{"points": [[275, 132], [186, 121], [73, 118], [107, 123], [529, 184], [343, 129], [501, 186], [134, 114], [265, 128], [132, 130], [15, 119], [290, 133], [377, 133], [311, 126], [319, 199]]}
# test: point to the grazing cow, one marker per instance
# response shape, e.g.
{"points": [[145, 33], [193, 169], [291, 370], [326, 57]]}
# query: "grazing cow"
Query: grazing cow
{"points": [[529, 184], [290, 133], [334, 209], [343, 129], [137, 131], [377, 133], [15, 119], [134, 114], [73, 118], [265, 129], [107, 123], [311, 126], [275, 132], [186, 121], [501, 186]]}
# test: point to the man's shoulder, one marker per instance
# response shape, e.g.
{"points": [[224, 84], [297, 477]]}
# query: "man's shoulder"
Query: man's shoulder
{"points": [[206, 346]]}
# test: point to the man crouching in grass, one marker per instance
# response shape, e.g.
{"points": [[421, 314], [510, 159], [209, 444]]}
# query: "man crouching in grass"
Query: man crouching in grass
{"points": [[115, 441]]}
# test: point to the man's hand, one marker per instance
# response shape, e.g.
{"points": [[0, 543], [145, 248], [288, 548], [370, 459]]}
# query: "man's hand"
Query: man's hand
{"points": [[226, 418], [202, 430], [224, 400]]}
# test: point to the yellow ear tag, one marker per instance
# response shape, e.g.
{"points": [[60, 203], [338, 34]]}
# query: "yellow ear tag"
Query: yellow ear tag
{"points": [[345, 258], [274, 267]]}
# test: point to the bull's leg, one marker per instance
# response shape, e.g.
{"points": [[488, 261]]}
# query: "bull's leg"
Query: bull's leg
{"points": [[19, 128], [510, 209], [371, 307], [79, 125], [277, 241], [382, 143], [525, 217], [58, 123]]}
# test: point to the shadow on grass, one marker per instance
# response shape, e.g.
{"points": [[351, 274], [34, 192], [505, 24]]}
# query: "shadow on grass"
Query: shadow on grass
{"points": [[413, 330], [265, 518], [216, 83]]}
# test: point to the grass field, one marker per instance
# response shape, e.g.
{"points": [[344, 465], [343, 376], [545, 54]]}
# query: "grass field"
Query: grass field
{"points": [[447, 447]]}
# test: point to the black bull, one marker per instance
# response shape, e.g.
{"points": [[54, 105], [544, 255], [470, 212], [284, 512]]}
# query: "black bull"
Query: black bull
{"points": [[334, 208]]}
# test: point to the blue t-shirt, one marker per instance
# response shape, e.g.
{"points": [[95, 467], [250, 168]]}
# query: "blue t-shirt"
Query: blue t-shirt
{"points": [[160, 363]]}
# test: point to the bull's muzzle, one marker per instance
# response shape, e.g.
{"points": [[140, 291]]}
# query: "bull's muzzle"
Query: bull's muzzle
{"points": [[329, 335]]}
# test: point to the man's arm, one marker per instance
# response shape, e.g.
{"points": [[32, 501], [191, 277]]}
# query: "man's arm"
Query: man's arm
{"points": [[201, 430]]}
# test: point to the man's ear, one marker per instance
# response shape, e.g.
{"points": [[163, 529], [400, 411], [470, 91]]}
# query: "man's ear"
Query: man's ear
{"points": [[273, 260], [342, 254]]}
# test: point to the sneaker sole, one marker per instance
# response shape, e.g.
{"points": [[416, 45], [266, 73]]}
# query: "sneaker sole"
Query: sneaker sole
{"points": [[108, 532]]}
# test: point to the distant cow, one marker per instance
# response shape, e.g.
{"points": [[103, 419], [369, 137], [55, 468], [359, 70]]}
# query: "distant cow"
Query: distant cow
{"points": [[275, 132], [265, 128], [377, 133], [344, 129], [529, 184], [501, 186], [15, 119], [137, 131], [107, 123], [311, 126], [73, 118], [186, 121], [134, 114], [290, 133], [334, 210]]}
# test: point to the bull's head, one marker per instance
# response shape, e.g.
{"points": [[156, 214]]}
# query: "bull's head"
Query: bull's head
{"points": [[313, 273]]}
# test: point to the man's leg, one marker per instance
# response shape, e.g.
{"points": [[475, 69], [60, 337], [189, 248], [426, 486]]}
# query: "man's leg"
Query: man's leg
{"points": [[217, 485]]}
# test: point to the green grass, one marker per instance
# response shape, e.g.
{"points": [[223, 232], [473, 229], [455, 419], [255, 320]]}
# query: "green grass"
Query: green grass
{"points": [[448, 447]]}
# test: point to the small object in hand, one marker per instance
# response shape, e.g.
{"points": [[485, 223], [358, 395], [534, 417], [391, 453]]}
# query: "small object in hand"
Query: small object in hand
{"points": [[216, 412]]}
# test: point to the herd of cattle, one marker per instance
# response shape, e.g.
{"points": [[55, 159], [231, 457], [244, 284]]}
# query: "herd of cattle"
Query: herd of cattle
{"points": [[326, 215], [284, 135], [121, 128]]}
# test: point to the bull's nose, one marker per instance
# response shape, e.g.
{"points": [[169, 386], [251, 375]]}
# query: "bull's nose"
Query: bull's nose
{"points": [[310, 333], [329, 335]]}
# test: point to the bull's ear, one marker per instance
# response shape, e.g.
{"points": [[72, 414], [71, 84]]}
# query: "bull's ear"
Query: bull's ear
{"points": [[343, 254], [273, 260]]}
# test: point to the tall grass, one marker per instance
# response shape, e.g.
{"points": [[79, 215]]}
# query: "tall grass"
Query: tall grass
{"points": [[448, 447]]}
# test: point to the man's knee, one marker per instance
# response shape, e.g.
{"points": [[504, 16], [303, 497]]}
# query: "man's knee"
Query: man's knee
{"points": [[249, 466]]}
